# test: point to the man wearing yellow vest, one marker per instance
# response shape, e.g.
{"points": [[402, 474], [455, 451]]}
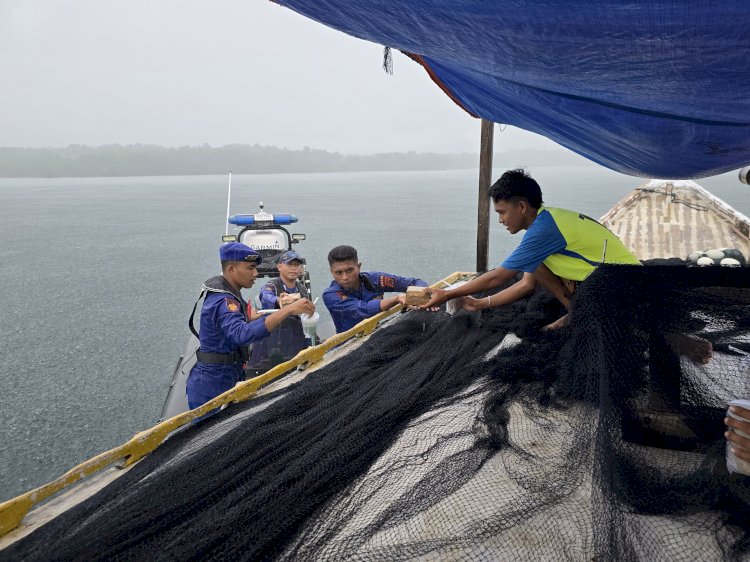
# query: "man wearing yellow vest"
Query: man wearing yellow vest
{"points": [[559, 250]]}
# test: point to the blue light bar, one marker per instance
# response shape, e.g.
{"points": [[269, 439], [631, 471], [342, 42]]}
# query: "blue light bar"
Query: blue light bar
{"points": [[241, 220], [284, 218], [245, 220]]}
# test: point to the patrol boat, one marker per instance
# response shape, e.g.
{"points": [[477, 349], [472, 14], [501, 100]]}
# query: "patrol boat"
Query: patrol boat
{"points": [[267, 234]]}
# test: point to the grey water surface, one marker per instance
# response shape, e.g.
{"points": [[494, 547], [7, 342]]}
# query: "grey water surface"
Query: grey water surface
{"points": [[100, 276]]}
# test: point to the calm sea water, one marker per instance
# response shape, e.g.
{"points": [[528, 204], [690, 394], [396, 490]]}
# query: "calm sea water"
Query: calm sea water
{"points": [[100, 276]]}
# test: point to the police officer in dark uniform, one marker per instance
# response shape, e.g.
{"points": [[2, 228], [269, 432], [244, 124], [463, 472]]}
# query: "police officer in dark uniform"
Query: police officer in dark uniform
{"points": [[354, 295], [225, 329], [288, 339]]}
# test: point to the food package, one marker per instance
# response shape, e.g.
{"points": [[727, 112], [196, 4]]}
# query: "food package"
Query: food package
{"points": [[417, 296]]}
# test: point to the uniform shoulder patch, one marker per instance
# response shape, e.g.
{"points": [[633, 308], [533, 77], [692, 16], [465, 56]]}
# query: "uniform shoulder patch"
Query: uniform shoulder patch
{"points": [[232, 305], [341, 295], [386, 281]]}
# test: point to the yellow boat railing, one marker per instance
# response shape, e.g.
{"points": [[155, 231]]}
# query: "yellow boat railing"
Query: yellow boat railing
{"points": [[13, 511]]}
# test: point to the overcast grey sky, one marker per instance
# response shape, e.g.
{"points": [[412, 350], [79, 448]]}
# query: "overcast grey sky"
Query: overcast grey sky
{"points": [[187, 72]]}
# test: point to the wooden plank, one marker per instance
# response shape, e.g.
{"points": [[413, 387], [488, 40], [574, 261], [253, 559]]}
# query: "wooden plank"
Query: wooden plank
{"points": [[483, 202]]}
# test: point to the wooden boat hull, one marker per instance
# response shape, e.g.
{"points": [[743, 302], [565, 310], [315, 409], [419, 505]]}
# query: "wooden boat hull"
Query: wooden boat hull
{"points": [[674, 218]]}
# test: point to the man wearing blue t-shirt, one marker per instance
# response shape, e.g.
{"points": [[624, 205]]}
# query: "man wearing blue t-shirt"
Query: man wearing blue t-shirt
{"points": [[559, 250]]}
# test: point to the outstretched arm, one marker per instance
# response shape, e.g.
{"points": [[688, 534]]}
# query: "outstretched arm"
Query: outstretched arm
{"points": [[390, 302], [387, 282], [274, 319], [516, 291], [396, 283], [490, 280]]}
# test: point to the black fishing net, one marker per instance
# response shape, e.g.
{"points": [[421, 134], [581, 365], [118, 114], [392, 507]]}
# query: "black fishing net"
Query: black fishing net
{"points": [[465, 437]]}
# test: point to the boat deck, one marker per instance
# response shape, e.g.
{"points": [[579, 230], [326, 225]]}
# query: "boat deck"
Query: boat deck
{"points": [[664, 218]]}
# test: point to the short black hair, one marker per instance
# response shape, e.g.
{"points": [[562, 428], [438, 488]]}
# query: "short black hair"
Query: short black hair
{"points": [[342, 253], [517, 183]]}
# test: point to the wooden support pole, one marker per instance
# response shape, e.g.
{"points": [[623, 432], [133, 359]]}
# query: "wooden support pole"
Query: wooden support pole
{"points": [[483, 205]]}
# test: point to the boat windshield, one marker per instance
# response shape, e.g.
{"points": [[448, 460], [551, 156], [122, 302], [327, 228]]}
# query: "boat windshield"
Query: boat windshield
{"points": [[271, 239]]}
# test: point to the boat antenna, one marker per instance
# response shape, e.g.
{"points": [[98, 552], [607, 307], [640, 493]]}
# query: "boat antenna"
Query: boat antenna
{"points": [[229, 198]]}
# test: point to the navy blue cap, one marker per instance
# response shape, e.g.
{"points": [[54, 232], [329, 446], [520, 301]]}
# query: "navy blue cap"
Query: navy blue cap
{"points": [[234, 251], [290, 255]]}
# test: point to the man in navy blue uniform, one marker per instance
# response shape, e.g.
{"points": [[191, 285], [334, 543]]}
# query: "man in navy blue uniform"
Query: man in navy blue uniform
{"points": [[225, 329], [353, 295], [289, 338]]}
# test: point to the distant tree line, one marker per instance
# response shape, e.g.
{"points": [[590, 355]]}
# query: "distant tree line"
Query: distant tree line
{"points": [[152, 160]]}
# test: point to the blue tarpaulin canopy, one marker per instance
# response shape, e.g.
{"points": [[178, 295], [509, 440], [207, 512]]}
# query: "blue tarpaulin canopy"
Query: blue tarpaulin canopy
{"points": [[654, 88]]}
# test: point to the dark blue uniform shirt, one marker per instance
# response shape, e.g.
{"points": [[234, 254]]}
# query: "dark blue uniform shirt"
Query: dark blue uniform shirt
{"points": [[348, 308], [269, 298], [223, 329], [286, 340]]}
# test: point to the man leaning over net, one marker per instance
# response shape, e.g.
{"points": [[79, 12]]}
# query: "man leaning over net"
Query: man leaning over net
{"points": [[559, 249]]}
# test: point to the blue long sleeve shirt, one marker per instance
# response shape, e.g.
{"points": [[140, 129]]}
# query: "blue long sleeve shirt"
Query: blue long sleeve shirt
{"points": [[348, 308], [286, 340], [223, 329], [269, 298], [223, 325]]}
